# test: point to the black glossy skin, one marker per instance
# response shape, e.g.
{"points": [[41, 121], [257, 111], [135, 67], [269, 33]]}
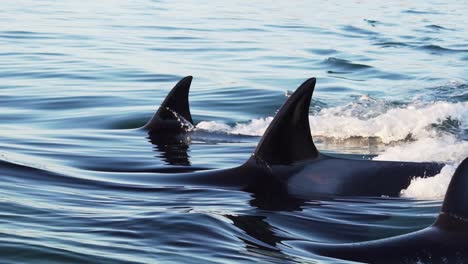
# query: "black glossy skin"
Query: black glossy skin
{"points": [[446, 241], [286, 166], [173, 116], [325, 176], [286, 161], [170, 127], [430, 245], [336, 176]]}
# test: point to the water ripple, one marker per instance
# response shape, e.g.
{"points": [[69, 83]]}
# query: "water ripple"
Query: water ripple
{"points": [[81, 184]]}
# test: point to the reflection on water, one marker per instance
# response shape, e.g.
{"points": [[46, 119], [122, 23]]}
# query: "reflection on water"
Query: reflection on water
{"points": [[80, 182], [173, 149]]}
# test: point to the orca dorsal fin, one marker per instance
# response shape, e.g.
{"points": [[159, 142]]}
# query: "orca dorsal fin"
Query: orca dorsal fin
{"points": [[288, 139], [174, 112], [454, 212]]}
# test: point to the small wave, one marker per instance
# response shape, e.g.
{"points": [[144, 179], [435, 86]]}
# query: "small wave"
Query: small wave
{"points": [[357, 30], [369, 118], [30, 170], [386, 122], [341, 64], [437, 27], [392, 44], [432, 48], [372, 22], [445, 149], [322, 51], [439, 49], [17, 34], [292, 27], [139, 76], [454, 91], [46, 75], [413, 11]]}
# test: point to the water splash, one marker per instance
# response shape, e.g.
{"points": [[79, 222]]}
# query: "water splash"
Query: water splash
{"points": [[417, 132], [369, 118]]}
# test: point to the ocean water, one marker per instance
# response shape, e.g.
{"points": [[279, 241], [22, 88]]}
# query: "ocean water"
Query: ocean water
{"points": [[77, 78]]}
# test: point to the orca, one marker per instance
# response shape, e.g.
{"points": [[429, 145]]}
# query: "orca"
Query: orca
{"points": [[171, 128], [173, 116], [286, 160], [446, 241]]}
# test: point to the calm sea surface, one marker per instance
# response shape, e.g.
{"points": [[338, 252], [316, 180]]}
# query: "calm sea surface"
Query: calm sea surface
{"points": [[76, 78]]}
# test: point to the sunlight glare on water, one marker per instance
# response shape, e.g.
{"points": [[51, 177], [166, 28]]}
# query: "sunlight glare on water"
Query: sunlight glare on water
{"points": [[80, 186]]}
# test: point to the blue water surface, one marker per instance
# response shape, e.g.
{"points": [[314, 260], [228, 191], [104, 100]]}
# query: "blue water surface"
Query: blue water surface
{"points": [[79, 185]]}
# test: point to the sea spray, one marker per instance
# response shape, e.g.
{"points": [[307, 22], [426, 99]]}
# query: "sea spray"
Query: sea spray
{"points": [[418, 132], [415, 121]]}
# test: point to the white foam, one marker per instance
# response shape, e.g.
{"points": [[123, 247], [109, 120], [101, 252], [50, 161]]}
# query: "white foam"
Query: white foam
{"points": [[367, 117], [430, 188], [358, 120], [446, 149], [255, 127], [392, 125], [213, 126]]}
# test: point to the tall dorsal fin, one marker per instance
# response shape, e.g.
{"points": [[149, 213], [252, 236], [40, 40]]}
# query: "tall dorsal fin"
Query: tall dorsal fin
{"points": [[174, 112], [454, 212], [287, 139]]}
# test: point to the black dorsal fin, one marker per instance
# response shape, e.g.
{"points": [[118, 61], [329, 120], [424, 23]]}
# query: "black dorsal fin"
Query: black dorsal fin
{"points": [[287, 139], [454, 212], [174, 112]]}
